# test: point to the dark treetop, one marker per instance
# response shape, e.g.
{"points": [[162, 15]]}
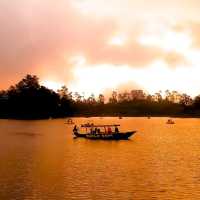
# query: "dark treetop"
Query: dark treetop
{"points": [[29, 100]]}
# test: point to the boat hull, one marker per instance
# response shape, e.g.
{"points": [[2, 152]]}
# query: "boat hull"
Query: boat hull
{"points": [[112, 136]]}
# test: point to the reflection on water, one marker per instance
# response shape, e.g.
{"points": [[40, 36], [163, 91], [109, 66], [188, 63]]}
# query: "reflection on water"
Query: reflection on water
{"points": [[41, 160], [26, 133]]}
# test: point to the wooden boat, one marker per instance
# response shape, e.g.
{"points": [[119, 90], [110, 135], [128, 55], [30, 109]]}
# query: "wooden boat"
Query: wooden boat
{"points": [[170, 121], [96, 133]]}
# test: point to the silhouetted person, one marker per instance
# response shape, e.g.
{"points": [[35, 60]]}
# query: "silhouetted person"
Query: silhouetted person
{"points": [[109, 130], [75, 129], [116, 129]]}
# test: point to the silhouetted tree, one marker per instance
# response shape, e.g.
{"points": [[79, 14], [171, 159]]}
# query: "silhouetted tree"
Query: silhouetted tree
{"points": [[91, 99], [28, 99], [30, 82], [158, 96], [113, 99], [64, 93], [186, 100], [149, 98], [197, 102], [101, 99], [78, 97]]}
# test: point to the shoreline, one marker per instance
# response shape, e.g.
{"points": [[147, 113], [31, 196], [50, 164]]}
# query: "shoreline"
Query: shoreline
{"points": [[93, 116]]}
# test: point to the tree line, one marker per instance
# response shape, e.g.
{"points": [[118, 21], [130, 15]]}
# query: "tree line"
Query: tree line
{"points": [[30, 100]]}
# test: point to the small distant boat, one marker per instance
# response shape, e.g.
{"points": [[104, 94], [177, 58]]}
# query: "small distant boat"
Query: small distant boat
{"points": [[95, 132], [170, 121], [69, 121]]}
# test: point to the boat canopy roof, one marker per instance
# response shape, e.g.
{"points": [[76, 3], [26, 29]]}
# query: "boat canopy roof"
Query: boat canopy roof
{"points": [[103, 125]]}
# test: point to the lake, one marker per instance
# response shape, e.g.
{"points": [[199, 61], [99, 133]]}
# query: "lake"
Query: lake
{"points": [[40, 160]]}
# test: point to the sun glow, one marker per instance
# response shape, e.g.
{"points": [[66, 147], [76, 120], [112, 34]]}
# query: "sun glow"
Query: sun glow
{"points": [[97, 79], [52, 84], [155, 77], [151, 78]]}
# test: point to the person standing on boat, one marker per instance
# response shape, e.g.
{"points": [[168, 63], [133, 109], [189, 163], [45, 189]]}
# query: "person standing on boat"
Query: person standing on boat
{"points": [[109, 130], [116, 129], [75, 129], [91, 130]]}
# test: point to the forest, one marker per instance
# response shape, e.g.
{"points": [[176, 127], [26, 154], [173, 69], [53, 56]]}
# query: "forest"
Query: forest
{"points": [[28, 99]]}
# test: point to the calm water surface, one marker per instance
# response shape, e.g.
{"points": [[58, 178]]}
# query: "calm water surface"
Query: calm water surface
{"points": [[40, 160]]}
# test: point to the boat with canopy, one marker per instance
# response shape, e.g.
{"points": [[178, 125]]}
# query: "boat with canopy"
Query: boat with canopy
{"points": [[102, 132]]}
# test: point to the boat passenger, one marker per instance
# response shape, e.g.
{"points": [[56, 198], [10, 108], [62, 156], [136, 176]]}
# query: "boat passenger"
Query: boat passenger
{"points": [[91, 130], [109, 130], [116, 129], [75, 129]]}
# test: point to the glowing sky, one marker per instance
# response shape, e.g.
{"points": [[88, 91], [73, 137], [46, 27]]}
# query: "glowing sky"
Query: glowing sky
{"points": [[99, 45]]}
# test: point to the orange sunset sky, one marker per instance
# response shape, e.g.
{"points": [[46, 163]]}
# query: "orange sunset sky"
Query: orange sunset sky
{"points": [[101, 45]]}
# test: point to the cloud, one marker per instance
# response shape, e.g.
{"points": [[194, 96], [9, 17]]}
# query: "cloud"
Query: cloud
{"points": [[42, 36], [194, 28], [174, 59], [129, 11], [132, 54]]}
